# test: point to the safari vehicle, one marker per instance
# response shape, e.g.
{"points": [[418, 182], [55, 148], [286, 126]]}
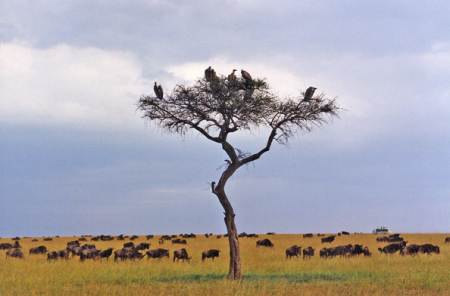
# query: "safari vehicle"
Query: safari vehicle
{"points": [[381, 230]]}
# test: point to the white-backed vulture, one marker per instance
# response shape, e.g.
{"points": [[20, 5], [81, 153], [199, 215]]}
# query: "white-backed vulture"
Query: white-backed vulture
{"points": [[309, 93], [158, 91], [232, 76], [246, 76], [208, 73]]}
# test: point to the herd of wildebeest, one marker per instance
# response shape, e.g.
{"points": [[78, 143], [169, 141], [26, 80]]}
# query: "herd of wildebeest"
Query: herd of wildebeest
{"points": [[130, 251]]}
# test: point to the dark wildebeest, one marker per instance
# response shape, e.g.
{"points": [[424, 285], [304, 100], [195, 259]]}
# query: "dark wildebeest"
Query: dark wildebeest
{"points": [[181, 254], [16, 245], [323, 253], [73, 243], [383, 239], [16, 253], [16, 238], [429, 248], [307, 235], [157, 253], [357, 249], [63, 254], [143, 246], [264, 242], [150, 236], [447, 240], [38, 250], [5, 246], [219, 236], [328, 239], [210, 254], [52, 255], [392, 248], [89, 254], [47, 239], [128, 245], [106, 253], [366, 252], [345, 233], [293, 251], [308, 252], [34, 240]]}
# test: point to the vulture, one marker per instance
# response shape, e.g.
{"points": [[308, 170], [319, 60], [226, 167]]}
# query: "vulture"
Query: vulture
{"points": [[246, 76], [309, 93], [158, 91], [208, 74], [232, 76]]}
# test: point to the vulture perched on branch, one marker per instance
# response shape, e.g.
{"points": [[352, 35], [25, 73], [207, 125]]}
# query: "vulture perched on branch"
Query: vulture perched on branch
{"points": [[158, 91], [309, 93], [232, 76], [210, 74], [246, 76]]}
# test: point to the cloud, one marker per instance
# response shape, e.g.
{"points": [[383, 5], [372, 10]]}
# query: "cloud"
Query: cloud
{"points": [[64, 85]]}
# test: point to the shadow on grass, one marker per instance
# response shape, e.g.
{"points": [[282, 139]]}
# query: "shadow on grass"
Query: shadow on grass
{"points": [[253, 277]]}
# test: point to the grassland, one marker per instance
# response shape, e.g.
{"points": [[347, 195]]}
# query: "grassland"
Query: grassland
{"points": [[265, 270]]}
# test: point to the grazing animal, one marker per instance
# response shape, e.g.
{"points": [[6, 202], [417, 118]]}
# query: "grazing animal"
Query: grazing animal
{"points": [[5, 246], [63, 254], [14, 253], [158, 91], [181, 254], [429, 248], [38, 250], [383, 239], [157, 253], [328, 239], [210, 254], [16, 245], [264, 242], [52, 256], [309, 93], [128, 245], [143, 246], [392, 248], [366, 252], [323, 253], [447, 240], [307, 235], [293, 251], [89, 254], [73, 243], [106, 253], [308, 252]]}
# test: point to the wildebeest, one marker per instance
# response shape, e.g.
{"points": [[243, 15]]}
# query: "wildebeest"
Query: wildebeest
{"points": [[447, 240], [52, 255], [308, 252], [106, 253], [345, 233], [382, 239], [392, 248], [219, 236], [210, 254], [323, 253], [307, 235], [128, 245], [328, 239], [181, 254], [5, 246], [38, 250], [179, 241], [73, 243], [157, 253], [16, 245], [63, 254], [366, 252], [143, 246], [293, 251], [47, 239], [429, 248], [150, 236], [124, 254], [14, 253], [264, 242], [89, 254]]}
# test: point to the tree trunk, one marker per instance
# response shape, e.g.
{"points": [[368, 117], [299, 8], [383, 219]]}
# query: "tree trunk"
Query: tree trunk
{"points": [[235, 271]]}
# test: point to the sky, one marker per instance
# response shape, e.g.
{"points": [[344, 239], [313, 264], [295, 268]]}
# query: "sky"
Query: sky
{"points": [[77, 158]]}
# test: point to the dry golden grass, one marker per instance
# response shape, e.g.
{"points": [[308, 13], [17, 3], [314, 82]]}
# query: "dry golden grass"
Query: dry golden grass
{"points": [[266, 270]]}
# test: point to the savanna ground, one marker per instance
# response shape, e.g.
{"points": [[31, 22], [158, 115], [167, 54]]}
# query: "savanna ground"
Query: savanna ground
{"points": [[265, 270]]}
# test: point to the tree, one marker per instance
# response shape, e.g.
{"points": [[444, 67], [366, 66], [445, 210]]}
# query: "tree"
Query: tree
{"points": [[217, 107]]}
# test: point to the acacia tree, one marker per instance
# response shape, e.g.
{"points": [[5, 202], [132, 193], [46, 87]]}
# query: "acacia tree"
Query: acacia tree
{"points": [[217, 107]]}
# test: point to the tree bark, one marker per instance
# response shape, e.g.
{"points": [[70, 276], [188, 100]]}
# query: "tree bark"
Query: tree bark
{"points": [[235, 270]]}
